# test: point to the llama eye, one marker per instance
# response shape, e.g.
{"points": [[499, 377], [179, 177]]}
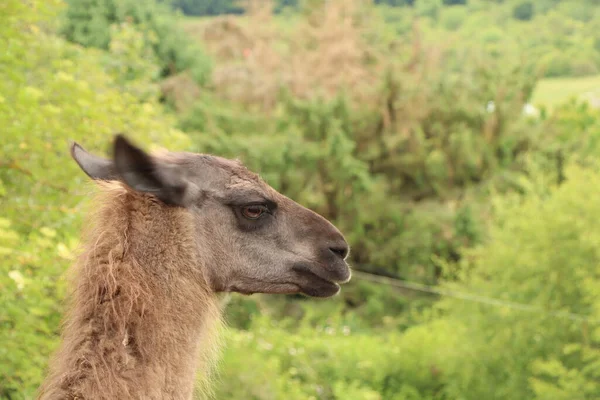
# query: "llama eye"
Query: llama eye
{"points": [[254, 211]]}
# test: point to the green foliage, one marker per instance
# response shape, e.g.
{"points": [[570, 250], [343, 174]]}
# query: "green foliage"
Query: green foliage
{"points": [[51, 92], [466, 350], [328, 362], [406, 159], [428, 8], [524, 11], [497, 352], [576, 116], [395, 3], [131, 63], [89, 23], [519, 353], [206, 7], [557, 35], [453, 17], [306, 151]]}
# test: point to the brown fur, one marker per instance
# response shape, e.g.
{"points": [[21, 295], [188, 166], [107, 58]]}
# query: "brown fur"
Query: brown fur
{"points": [[140, 307]]}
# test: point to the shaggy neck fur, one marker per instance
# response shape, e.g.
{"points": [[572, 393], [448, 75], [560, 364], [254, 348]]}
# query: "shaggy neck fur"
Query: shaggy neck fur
{"points": [[143, 317]]}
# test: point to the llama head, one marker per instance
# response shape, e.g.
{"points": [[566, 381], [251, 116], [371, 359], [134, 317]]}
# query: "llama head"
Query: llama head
{"points": [[251, 239]]}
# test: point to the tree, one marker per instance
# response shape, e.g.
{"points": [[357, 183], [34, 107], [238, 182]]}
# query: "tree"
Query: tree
{"points": [[207, 7], [88, 22], [523, 11]]}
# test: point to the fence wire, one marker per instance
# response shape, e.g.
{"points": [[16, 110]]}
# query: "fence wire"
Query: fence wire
{"points": [[399, 283]]}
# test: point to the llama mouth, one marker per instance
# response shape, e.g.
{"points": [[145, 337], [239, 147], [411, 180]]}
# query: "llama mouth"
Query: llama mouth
{"points": [[315, 285]]}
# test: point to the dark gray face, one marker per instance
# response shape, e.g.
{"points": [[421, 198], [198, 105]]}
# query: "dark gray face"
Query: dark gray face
{"points": [[252, 238]]}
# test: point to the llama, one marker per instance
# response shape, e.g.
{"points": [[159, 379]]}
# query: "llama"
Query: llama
{"points": [[169, 233]]}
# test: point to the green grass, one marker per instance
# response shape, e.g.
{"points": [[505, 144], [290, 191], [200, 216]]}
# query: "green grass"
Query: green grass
{"points": [[553, 91]]}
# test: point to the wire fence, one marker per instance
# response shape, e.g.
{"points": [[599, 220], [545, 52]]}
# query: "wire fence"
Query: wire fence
{"points": [[399, 283]]}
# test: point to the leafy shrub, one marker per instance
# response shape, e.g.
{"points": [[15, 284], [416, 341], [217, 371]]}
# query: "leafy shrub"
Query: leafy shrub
{"points": [[453, 17], [557, 64], [577, 10], [572, 137], [516, 353], [523, 11], [130, 63], [269, 362], [395, 3], [206, 7], [428, 8], [50, 92], [89, 23]]}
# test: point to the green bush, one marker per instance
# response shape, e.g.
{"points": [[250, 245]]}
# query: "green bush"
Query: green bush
{"points": [[333, 362], [88, 22], [524, 11], [453, 17], [131, 63], [572, 136], [559, 35], [51, 92], [428, 8], [206, 7], [542, 252]]}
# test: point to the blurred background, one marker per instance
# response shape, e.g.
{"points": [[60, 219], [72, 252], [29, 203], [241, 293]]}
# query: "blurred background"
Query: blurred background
{"points": [[454, 142]]}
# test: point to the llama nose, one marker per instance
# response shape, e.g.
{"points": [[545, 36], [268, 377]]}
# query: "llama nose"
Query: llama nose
{"points": [[340, 249]]}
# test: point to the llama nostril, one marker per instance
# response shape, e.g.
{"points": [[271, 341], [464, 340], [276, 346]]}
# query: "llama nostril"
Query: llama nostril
{"points": [[340, 250]]}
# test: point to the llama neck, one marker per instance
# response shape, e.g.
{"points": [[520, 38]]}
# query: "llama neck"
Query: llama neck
{"points": [[143, 316]]}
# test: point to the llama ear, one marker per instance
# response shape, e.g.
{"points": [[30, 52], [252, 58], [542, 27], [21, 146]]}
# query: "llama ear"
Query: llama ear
{"points": [[143, 173], [95, 167]]}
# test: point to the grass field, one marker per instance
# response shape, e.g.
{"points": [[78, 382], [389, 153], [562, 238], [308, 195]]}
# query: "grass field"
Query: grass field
{"points": [[550, 92]]}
